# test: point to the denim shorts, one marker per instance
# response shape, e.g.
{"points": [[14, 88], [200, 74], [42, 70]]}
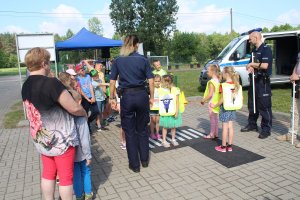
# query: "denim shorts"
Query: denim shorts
{"points": [[100, 105]]}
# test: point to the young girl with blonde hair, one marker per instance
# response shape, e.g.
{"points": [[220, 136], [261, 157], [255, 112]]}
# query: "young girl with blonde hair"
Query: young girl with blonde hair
{"points": [[227, 116], [212, 95], [168, 92], [154, 109]]}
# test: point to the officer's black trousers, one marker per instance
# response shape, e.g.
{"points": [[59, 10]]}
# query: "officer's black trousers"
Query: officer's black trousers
{"points": [[263, 104], [134, 121]]}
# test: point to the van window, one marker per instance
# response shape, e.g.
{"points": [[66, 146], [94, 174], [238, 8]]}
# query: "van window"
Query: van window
{"points": [[243, 50], [228, 48]]}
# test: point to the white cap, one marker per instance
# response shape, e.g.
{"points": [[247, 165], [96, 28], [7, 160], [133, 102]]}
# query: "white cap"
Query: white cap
{"points": [[71, 72]]}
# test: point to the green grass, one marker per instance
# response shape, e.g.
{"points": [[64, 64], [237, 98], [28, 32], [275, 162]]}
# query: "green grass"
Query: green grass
{"points": [[12, 71], [189, 83], [12, 118]]}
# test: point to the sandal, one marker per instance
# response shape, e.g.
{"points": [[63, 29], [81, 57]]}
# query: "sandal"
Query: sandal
{"points": [[209, 137], [166, 144], [175, 143]]}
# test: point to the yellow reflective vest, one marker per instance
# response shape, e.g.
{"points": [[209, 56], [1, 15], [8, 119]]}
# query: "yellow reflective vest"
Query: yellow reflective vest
{"points": [[155, 105], [216, 96], [232, 100]]}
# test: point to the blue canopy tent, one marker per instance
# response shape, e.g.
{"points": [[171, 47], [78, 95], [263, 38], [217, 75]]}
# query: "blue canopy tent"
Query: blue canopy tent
{"points": [[85, 39]]}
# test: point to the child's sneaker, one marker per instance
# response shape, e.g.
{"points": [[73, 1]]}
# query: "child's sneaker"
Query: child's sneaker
{"points": [[157, 136], [89, 196], [153, 136], [220, 148], [229, 148], [123, 146]]}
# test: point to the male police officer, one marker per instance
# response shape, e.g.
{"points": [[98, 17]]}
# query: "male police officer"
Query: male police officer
{"points": [[261, 66]]}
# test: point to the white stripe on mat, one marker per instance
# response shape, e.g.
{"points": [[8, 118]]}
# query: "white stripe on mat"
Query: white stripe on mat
{"points": [[191, 134], [151, 146], [198, 133], [183, 135], [154, 142]]}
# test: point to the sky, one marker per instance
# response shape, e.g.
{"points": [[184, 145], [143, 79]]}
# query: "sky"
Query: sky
{"points": [[208, 16]]}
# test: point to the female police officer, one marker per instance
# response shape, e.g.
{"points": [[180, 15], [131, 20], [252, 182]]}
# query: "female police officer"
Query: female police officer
{"points": [[133, 69]]}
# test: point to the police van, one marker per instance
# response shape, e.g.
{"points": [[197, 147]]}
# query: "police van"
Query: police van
{"points": [[285, 47]]}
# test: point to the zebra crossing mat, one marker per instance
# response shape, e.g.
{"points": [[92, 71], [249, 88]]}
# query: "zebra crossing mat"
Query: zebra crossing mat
{"points": [[187, 136]]}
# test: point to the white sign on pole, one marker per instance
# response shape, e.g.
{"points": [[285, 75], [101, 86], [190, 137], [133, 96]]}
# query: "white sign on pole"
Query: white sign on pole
{"points": [[26, 42]]}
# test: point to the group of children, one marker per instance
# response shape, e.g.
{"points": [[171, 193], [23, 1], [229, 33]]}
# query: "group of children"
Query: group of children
{"points": [[223, 98], [165, 110]]}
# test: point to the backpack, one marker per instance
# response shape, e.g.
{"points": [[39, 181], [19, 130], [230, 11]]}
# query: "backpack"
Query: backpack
{"points": [[232, 100]]}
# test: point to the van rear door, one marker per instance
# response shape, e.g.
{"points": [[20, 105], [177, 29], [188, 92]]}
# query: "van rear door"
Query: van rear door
{"points": [[285, 47]]}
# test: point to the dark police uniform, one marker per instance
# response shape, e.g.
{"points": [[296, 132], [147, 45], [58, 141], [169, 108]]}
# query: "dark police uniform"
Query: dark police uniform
{"points": [[262, 91], [133, 70]]}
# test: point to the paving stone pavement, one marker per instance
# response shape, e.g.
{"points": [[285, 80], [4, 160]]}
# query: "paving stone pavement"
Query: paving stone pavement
{"points": [[182, 173]]}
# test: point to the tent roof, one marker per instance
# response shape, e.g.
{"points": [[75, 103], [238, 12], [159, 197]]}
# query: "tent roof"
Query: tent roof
{"points": [[85, 39]]}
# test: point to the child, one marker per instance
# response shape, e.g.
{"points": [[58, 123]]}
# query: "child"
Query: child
{"points": [[170, 117], [82, 172], [99, 96], [118, 109], [227, 116], [154, 123], [211, 95]]}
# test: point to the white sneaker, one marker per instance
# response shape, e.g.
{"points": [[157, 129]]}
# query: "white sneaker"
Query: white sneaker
{"points": [[99, 129], [123, 146]]}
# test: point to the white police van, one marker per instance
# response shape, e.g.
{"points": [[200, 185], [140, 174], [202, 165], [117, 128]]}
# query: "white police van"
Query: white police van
{"points": [[285, 47]]}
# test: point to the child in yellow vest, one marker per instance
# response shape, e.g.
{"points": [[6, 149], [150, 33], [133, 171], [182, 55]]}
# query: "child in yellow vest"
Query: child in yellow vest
{"points": [[212, 96], [154, 123], [227, 116], [170, 116]]}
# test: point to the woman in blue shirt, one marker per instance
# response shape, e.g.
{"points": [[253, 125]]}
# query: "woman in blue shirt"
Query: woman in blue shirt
{"points": [[133, 70]]}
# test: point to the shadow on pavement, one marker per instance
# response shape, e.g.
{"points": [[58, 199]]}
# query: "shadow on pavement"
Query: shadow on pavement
{"points": [[101, 166]]}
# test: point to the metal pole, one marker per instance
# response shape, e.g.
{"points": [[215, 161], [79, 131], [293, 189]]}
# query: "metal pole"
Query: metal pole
{"points": [[253, 87], [231, 26], [293, 112], [20, 74]]}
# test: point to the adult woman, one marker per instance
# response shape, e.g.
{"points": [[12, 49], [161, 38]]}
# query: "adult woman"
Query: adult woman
{"points": [[133, 69], [49, 107]]}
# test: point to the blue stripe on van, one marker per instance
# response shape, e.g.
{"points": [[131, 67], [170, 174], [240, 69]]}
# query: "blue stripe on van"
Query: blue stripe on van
{"points": [[234, 63]]}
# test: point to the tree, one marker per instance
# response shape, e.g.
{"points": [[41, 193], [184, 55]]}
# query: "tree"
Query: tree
{"points": [[284, 27], [184, 46], [95, 26], [152, 20]]}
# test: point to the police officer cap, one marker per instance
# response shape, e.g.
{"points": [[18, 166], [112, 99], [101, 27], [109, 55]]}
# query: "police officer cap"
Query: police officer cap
{"points": [[255, 30]]}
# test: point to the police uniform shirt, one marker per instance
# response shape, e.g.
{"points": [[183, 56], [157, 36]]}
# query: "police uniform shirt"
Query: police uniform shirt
{"points": [[263, 55], [133, 70]]}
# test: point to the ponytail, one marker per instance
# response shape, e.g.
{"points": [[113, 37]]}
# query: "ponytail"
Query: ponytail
{"points": [[234, 76], [236, 81], [130, 45]]}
